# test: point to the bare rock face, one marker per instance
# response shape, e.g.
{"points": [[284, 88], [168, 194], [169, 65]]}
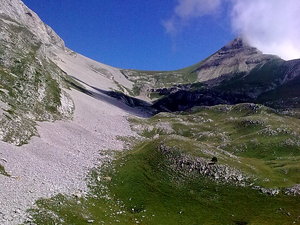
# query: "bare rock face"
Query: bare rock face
{"points": [[236, 57], [18, 11]]}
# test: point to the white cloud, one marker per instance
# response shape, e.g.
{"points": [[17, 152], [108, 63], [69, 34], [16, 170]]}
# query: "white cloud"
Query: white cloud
{"points": [[273, 26]]}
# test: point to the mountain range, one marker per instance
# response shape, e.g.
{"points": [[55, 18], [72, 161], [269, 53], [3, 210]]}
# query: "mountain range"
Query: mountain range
{"points": [[83, 142]]}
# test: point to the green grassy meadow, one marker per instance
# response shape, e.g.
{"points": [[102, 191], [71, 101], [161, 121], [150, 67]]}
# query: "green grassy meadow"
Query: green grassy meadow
{"points": [[142, 186]]}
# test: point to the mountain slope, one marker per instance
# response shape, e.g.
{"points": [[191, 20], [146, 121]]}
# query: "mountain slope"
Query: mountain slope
{"points": [[34, 65], [50, 134], [263, 82], [236, 57], [89, 72], [15, 12], [31, 85], [70, 116]]}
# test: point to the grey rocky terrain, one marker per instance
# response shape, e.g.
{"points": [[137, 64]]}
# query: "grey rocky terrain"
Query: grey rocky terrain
{"points": [[43, 157]]}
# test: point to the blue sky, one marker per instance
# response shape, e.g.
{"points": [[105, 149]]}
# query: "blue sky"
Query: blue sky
{"points": [[130, 34]]}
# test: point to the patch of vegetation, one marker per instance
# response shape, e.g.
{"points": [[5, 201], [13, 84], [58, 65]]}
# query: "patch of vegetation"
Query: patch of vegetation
{"points": [[144, 185], [140, 187], [135, 91], [252, 138], [197, 86], [155, 95], [3, 172]]}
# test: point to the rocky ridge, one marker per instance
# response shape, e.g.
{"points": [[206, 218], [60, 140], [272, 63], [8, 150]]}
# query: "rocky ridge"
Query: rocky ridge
{"points": [[217, 172], [191, 166]]}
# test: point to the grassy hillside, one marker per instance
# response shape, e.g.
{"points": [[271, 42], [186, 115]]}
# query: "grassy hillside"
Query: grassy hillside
{"points": [[144, 190], [250, 137], [162, 180]]}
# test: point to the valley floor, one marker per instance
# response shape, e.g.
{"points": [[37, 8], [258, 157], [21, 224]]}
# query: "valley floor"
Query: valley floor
{"points": [[59, 160]]}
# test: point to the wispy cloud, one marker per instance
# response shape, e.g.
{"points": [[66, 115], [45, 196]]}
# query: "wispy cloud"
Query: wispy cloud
{"points": [[186, 10], [271, 26]]}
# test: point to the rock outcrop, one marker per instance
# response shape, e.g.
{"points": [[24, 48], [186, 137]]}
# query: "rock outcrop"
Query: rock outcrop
{"points": [[18, 12], [217, 172]]}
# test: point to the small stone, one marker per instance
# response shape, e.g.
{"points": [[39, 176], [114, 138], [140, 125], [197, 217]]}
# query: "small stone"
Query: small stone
{"points": [[107, 178], [156, 136], [4, 160], [17, 211], [78, 195]]}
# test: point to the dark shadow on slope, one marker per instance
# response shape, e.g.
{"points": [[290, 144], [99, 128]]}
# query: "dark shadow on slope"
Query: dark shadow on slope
{"points": [[283, 97], [179, 101], [129, 104], [275, 84], [183, 100], [287, 94]]}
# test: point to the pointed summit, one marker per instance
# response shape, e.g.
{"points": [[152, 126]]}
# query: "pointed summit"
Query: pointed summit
{"points": [[237, 43], [235, 57]]}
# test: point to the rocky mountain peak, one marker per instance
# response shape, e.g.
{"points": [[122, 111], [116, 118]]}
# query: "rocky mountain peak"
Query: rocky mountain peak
{"points": [[235, 57], [16, 10], [237, 43]]}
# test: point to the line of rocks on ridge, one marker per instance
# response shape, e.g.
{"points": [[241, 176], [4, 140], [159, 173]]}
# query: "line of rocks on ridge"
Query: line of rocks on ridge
{"points": [[194, 166]]}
